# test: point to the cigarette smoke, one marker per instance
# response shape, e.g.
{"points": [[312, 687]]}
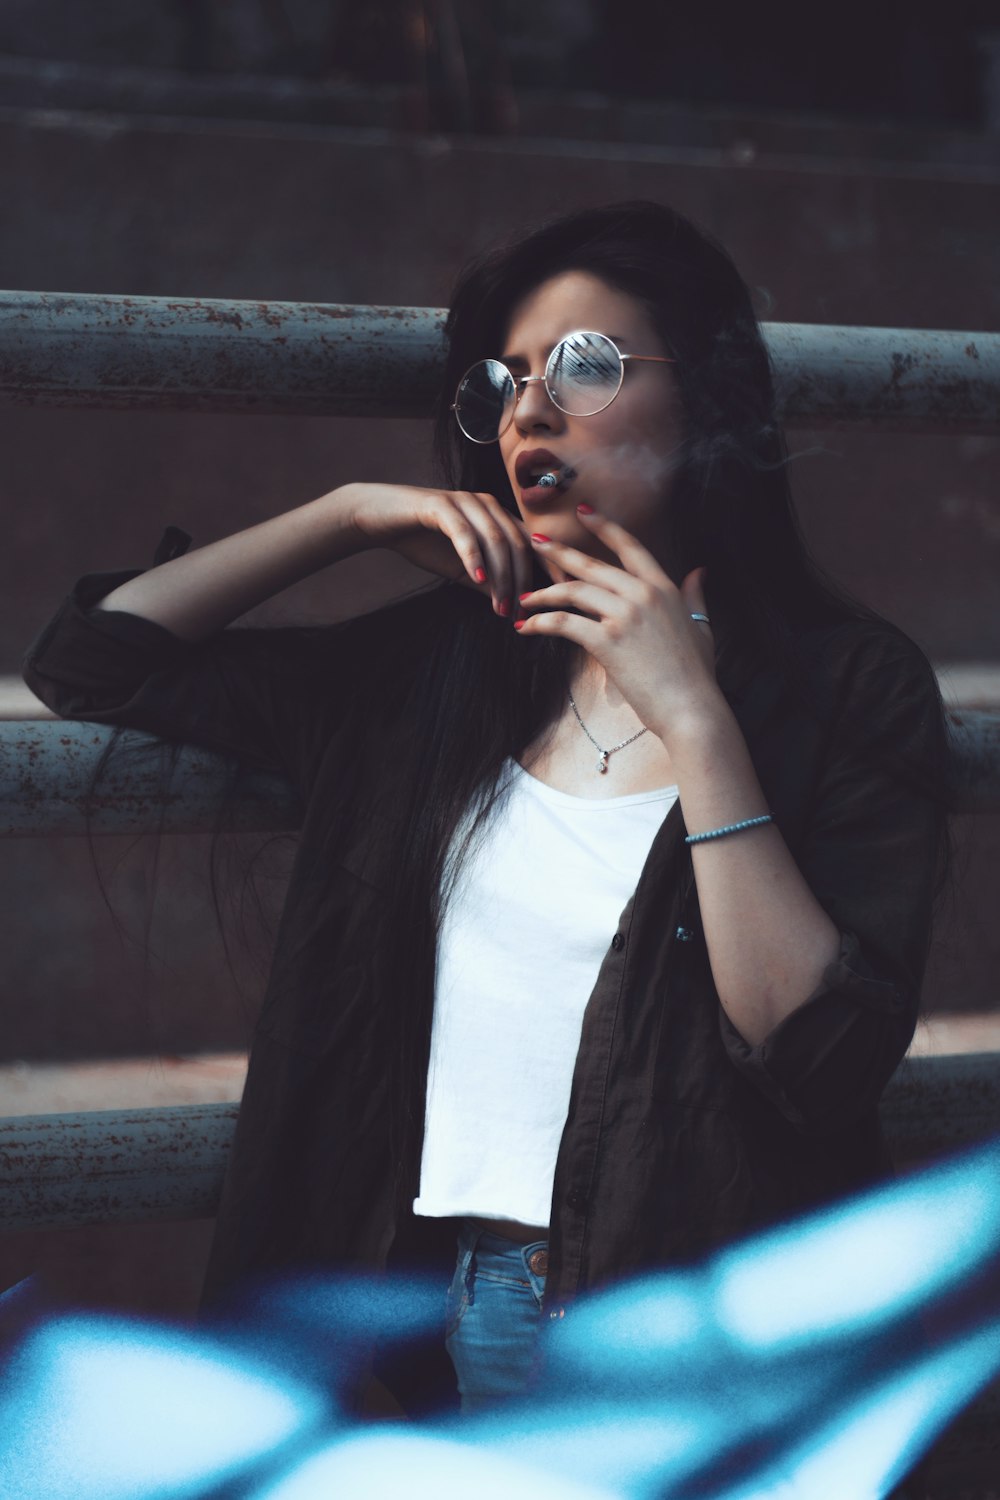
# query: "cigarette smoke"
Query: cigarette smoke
{"points": [[750, 449], [640, 461]]}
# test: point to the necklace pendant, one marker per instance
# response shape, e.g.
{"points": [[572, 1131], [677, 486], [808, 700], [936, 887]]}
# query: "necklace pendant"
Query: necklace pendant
{"points": [[602, 764]]}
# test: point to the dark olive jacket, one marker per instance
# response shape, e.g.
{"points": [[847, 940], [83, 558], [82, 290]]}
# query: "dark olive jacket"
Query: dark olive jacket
{"points": [[680, 1134]]}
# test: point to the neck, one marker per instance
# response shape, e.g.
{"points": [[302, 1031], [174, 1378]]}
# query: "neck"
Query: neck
{"points": [[593, 691]]}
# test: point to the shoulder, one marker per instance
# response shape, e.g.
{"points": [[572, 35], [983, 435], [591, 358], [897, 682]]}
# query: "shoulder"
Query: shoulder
{"points": [[864, 659], [882, 699], [850, 687], [859, 641]]}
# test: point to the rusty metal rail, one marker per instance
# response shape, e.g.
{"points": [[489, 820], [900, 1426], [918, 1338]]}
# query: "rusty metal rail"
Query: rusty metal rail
{"points": [[136, 1165], [198, 354], [115, 1166], [47, 769], [329, 359]]}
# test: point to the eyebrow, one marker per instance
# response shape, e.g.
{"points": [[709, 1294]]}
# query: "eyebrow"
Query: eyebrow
{"points": [[519, 359]]}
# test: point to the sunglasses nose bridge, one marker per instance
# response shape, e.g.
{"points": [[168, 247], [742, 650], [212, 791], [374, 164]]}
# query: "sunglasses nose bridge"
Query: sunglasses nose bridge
{"points": [[521, 386]]}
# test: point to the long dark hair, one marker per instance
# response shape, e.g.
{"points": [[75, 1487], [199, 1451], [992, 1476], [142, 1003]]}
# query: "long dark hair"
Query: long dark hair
{"points": [[481, 694]]}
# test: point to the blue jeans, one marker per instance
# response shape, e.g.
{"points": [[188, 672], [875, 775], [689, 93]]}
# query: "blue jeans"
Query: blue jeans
{"points": [[493, 1316]]}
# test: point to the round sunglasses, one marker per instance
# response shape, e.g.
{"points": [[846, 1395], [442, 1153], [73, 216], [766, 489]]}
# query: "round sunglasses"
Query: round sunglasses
{"points": [[583, 375]]}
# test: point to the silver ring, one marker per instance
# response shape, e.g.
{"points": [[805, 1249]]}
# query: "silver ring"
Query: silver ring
{"points": [[702, 617]]}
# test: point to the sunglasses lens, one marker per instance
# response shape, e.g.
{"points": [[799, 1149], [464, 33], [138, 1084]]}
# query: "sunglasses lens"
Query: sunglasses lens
{"points": [[584, 374], [485, 401]]}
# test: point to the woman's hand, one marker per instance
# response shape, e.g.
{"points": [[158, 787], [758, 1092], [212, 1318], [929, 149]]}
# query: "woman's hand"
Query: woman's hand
{"points": [[463, 536], [635, 621]]}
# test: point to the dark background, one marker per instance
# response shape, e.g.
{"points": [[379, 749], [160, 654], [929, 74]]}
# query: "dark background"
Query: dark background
{"points": [[848, 159]]}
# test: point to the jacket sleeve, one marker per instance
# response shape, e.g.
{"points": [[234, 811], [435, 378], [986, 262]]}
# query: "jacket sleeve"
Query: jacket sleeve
{"points": [[269, 696], [870, 855]]}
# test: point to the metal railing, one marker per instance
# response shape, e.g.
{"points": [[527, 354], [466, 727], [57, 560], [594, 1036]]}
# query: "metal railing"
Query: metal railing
{"points": [[47, 770], [295, 358], [323, 359], [136, 353], [168, 1163]]}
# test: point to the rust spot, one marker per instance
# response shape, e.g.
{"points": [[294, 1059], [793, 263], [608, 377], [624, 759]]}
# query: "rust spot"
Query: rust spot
{"points": [[273, 316], [971, 351], [902, 364]]}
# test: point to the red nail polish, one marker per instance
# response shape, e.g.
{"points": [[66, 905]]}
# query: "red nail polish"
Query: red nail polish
{"points": [[480, 575], [521, 597], [585, 509], [504, 606], [518, 624], [536, 536]]}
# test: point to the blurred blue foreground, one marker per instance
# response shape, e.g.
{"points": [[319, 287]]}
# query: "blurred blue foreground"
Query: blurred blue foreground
{"points": [[814, 1362]]}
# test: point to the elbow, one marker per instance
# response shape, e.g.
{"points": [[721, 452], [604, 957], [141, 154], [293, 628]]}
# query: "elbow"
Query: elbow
{"points": [[69, 700], [43, 688], [842, 1084], [824, 1066], [757, 1011]]}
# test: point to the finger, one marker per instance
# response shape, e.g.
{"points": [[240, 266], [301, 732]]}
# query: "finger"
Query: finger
{"points": [[693, 589], [596, 602], [693, 596], [579, 628], [635, 558], [552, 569], [447, 518], [519, 544], [523, 556], [575, 563], [533, 557], [495, 547]]}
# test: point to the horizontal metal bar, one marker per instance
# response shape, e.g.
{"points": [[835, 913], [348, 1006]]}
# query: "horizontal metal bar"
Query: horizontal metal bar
{"points": [[890, 379], [115, 1166], [937, 1104], [47, 768], [331, 359], [132, 1165], [975, 763], [200, 354]]}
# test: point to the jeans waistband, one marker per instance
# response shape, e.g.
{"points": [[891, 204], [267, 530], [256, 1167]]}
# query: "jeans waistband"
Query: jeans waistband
{"points": [[486, 1248]]}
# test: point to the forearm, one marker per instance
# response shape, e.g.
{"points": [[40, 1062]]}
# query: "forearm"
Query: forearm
{"points": [[767, 936], [199, 593]]}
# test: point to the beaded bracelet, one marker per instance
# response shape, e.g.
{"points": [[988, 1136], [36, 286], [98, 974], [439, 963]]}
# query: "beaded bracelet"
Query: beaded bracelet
{"points": [[718, 833]]}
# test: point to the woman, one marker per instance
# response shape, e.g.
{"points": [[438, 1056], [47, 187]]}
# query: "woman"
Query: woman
{"points": [[613, 897]]}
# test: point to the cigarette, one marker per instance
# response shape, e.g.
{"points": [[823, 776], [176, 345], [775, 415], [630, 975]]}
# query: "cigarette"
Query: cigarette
{"points": [[556, 476]]}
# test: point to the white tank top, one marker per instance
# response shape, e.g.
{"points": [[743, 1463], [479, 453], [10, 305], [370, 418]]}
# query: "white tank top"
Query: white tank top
{"points": [[519, 950]]}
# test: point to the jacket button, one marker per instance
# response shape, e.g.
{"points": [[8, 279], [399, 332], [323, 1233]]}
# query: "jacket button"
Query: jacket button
{"points": [[684, 934], [558, 1312], [576, 1199], [617, 942]]}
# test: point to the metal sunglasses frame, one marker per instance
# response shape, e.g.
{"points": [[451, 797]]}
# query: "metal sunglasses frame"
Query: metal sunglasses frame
{"points": [[526, 380]]}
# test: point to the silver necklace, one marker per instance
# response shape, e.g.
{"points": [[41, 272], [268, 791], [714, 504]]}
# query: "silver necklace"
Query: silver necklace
{"points": [[602, 764]]}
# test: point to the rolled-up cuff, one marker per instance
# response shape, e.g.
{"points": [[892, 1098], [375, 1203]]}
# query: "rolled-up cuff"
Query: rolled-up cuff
{"points": [[83, 651], [828, 1060]]}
